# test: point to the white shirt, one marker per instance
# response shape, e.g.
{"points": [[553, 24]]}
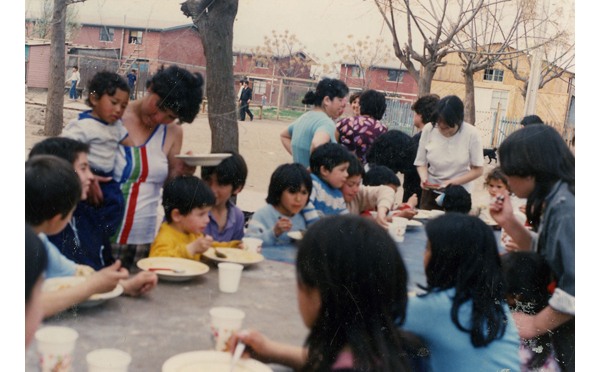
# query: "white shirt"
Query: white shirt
{"points": [[75, 77], [450, 157]]}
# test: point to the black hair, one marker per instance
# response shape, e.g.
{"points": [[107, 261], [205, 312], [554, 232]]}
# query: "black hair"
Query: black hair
{"points": [[36, 260], [329, 155], [76, 68], [456, 199], [381, 175], [395, 150], [527, 277], [451, 110], [65, 148], [372, 103], [354, 96], [179, 90], [326, 88], [426, 107], [51, 187], [538, 151], [106, 82], [289, 177], [356, 167], [464, 256], [531, 119], [133, 70], [230, 171], [361, 278], [185, 193], [497, 175]]}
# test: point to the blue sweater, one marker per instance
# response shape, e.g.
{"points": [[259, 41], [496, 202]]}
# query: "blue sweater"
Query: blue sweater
{"points": [[324, 200], [58, 265], [262, 223]]}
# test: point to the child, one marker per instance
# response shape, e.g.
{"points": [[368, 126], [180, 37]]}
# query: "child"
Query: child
{"points": [[52, 190], [349, 293], [187, 201], [456, 199], [465, 295], [102, 129], [329, 170], [288, 194], [381, 175], [528, 279], [497, 184], [36, 260], [226, 180]]}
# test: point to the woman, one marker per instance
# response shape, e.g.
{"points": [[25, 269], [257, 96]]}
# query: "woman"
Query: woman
{"points": [[540, 167], [358, 133], [143, 169], [315, 127], [451, 148], [354, 102]]}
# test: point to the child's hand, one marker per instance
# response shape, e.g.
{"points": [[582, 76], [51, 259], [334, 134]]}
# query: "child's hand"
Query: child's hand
{"points": [[200, 245], [94, 194], [406, 213], [382, 217], [523, 209], [283, 224], [257, 345], [413, 201], [106, 280], [139, 284], [501, 209]]}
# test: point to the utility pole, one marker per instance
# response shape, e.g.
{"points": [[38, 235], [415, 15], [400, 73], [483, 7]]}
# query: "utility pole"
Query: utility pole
{"points": [[536, 67]]}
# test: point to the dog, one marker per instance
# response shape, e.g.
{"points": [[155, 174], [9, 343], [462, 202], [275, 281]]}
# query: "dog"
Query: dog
{"points": [[491, 154]]}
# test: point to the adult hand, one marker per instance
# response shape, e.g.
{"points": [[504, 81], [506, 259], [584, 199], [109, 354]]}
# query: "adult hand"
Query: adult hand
{"points": [[139, 284], [283, 224], [106, 280], [258, 346], [182, 168], [501, 209], [94, 193]]}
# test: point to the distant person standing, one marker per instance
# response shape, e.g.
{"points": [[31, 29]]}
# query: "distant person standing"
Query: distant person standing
{"points": [[132, 78], [245, 99], [74, 79]]}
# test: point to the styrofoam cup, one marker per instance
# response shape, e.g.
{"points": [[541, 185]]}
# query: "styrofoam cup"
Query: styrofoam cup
{"points": [[223, 322], [252, 244], [229, 276], [108, 360], [55, 347], [398, 229]]}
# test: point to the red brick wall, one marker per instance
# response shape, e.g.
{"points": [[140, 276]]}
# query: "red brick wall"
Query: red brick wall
{"points": [[89, 35], [38, 66], [379, 81], [181, 46]]}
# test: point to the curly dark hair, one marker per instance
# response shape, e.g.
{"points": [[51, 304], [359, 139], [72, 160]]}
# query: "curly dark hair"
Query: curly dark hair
{"points": [[106, 82], [179, 90], [426, 106]]}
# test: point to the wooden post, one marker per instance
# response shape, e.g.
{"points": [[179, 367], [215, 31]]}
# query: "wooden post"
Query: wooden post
{"points": [[203, 106], [260, 112], [497, 126], [279, 96]]}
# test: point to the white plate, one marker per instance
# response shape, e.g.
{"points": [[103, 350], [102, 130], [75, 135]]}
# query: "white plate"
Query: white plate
{"points": [[211, 361], [56, 284], [190, 268], [423, 214], [208, 160], [411, 224], [296, 235], [235, 255]]}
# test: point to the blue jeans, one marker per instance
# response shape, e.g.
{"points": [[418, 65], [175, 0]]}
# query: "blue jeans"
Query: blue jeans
{"points": [[73, 90]]}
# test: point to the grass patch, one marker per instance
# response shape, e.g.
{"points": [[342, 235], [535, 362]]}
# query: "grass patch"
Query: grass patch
{"points": [[271, 113]]}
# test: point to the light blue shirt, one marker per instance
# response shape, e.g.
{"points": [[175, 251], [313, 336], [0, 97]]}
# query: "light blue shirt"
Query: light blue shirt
{"points": [[58, 264], [262, 223], [303, 130]]}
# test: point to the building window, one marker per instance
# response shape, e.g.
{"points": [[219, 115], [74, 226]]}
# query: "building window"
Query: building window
{"points": [[135, 37], [261, 62], [357, 72], [491, 74], [107, 33], [259, 87], [395, 75]]}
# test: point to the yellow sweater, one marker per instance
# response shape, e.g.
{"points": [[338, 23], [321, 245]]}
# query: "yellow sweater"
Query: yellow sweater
{"points": [[172, 243]]}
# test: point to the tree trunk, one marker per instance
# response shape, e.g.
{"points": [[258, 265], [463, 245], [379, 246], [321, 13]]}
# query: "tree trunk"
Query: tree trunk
{"points": [[56, 79], [215, 25], [469, 97], [425, 79]]}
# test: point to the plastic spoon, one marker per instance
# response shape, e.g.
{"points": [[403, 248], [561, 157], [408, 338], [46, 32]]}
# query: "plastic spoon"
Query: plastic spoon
{"points": [[237, 354]]}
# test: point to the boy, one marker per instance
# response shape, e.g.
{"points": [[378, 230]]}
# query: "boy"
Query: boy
{"points": [[83, 240], [187, 201], [329, 170], [52, 191], [456, 199], [226, 180], [381, 175]]}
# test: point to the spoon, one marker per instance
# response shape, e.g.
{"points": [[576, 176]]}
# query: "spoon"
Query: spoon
{"points": [[239, 349], [219, 254], [176, 271]]}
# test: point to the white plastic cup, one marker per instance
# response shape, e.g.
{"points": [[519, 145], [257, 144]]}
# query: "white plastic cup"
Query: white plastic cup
{"points": [[399, 229], [252, 244], [108, 360], [229, 276], [55, 347], [223, 322]]}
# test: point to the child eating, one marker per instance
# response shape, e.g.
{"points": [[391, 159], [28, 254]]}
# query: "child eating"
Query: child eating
{"points": [[101, 128], [226, 180], [187, 201], [288, 194]]}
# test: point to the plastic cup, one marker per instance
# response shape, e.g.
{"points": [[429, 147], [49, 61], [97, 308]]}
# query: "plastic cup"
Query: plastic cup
{"points": [[229, 277], [108, 360], [223, 322], [252, 244], [399, 228], [55, 347]]}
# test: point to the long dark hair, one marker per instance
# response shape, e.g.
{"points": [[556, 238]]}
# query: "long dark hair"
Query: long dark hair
{"points": [[360, 275], [538, 151], [326, 88], [464, 256]]}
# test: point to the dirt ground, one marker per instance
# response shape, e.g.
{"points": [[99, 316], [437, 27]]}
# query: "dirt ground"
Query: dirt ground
{"points": [[259, 145]]}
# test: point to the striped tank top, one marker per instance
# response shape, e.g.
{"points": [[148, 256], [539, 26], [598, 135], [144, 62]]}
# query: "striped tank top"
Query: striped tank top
{"points": [[141, 172]]}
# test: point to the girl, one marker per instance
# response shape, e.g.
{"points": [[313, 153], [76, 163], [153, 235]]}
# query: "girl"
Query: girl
{"points": [[497, 184], [540, 167], [288, 194], [316, 127], [351, 287], [529, 282], [36, 260], [465, 295], [101, 128]]}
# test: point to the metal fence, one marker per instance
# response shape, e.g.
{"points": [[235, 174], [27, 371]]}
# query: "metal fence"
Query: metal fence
{"points": [[399, 116], [508, 125]]}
